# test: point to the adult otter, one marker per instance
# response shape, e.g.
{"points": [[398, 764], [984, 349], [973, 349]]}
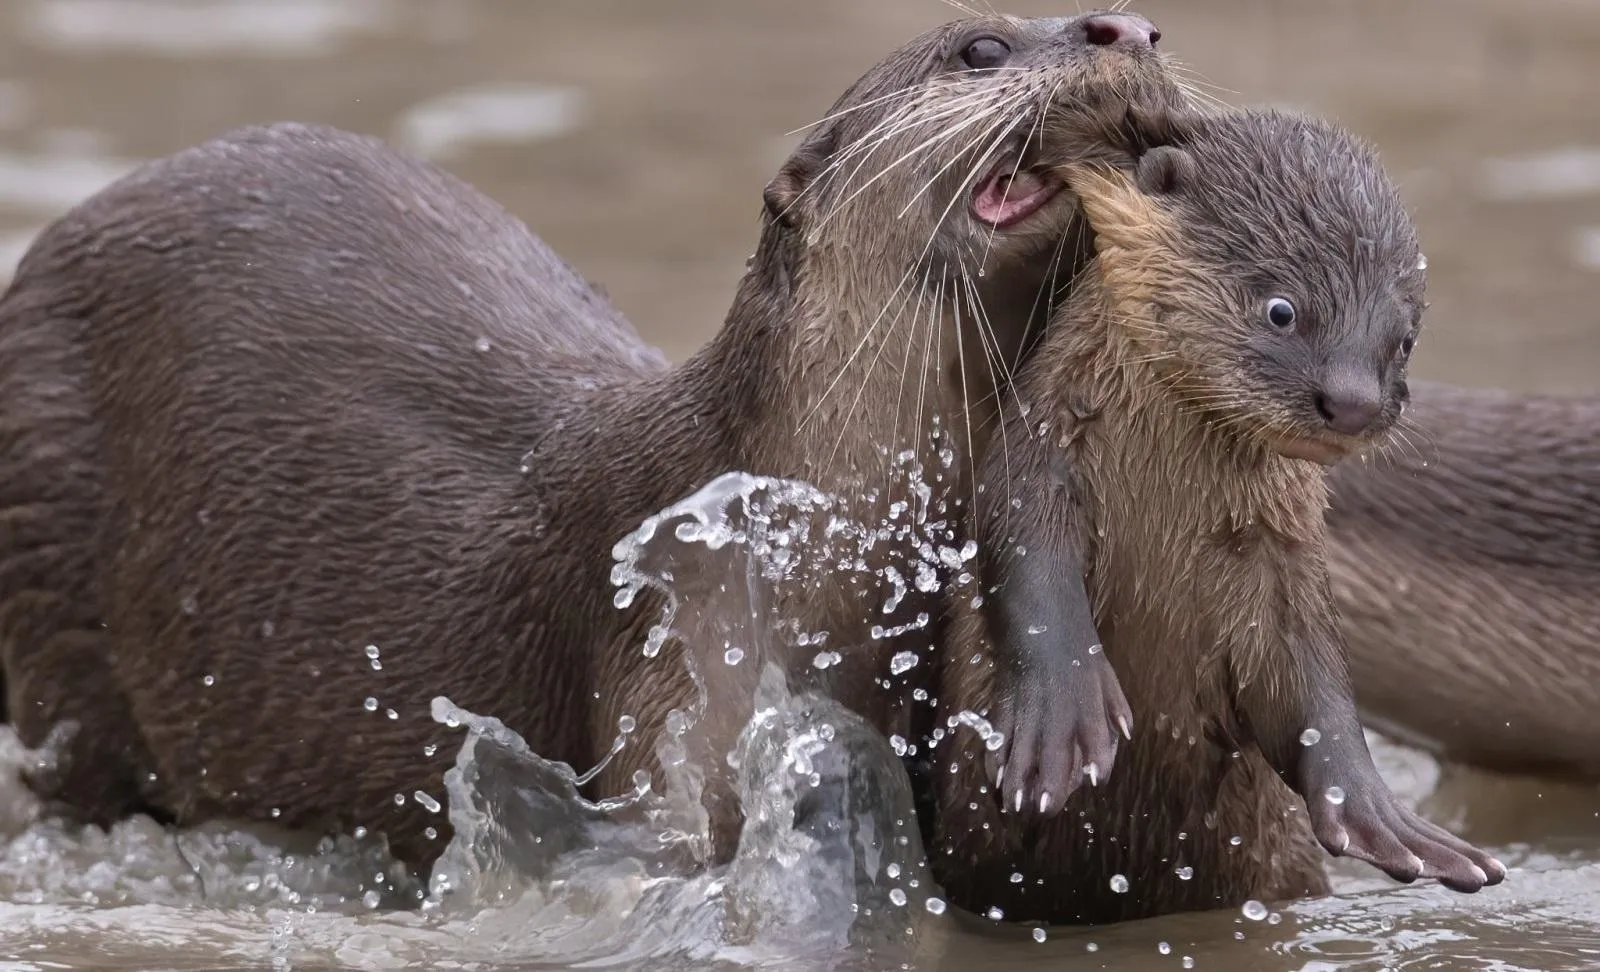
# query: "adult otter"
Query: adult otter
{"points": [[290, 403], [1253, 305], [1465, 569]]}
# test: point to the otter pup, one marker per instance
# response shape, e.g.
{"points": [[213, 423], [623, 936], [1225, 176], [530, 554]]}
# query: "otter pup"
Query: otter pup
{"points": [[1249, 317], [298, 432]]}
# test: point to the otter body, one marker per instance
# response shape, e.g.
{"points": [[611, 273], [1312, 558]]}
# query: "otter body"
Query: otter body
{"points": [[1220, 342], [298, 433], [1465, 569]]}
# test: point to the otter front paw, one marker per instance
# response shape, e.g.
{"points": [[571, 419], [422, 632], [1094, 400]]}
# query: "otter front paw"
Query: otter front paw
{"points": [[1060, 717], [1368, 823]]}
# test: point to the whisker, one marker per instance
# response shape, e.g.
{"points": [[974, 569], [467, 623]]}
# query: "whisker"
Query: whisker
{"points": [[1036, 131], [933, 141], [845, 368]]}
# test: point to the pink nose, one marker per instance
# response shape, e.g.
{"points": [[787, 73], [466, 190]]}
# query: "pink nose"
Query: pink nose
{"points": [[1127, 31]]}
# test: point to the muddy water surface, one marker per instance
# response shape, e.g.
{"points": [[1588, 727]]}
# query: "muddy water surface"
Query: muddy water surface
{"points": [[635, 135]]}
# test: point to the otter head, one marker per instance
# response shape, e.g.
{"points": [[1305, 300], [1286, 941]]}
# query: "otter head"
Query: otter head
{"points": [[921, 235], [1278, 276]]}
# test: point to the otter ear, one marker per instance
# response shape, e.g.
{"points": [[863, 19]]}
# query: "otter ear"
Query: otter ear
{"points": [[1147, 127], [1164, 171], [783, 194]]}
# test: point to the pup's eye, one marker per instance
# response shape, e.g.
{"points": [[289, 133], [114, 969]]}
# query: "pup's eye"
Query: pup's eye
{"points": [[1280, 313], [986, 52], [1407, 343]]}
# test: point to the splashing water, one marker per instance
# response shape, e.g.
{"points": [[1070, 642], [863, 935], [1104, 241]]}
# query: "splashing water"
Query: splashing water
{"points": [[829, 872]]}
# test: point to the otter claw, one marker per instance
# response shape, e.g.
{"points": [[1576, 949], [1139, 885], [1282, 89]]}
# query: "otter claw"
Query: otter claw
{"points": [[1127, 730], [1044, 802]]}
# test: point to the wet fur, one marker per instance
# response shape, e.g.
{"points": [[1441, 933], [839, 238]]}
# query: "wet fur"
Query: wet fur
{"points": [[1204, 550], [1465, 565], [248, 427]]}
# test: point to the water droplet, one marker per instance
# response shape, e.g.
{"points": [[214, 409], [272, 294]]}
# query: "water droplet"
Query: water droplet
{"points": [[208, 680], [482, 344], [1188, 961], [898, 743], [626, 724], [1235, 840], [1164, 948], [733, 656], [391, 713], [1310, 737], [1038, 629], [993, 914], [1119, 884], [275, 812], [653, 641], [1039, 934], [371, 704], [430, 749], [360, 833], [1091, 947], [1334, 795], [1016, 877], [399, 799], [371, 899], [430, 833], [1254, 910], [902, 662], [1185, 873], [428, 803], [898, 897]]}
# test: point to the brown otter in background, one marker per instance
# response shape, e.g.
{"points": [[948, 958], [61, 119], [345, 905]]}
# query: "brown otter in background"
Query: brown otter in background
{"points": [[1466, 569], [1253, 305], [298, 433]]}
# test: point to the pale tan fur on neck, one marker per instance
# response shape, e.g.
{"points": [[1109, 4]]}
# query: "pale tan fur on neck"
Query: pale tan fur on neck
{"points": [[1177, 502]]}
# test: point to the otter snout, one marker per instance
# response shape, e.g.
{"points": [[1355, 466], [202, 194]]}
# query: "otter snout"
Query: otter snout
{"points": [[1349, 407], [1120, 30]]}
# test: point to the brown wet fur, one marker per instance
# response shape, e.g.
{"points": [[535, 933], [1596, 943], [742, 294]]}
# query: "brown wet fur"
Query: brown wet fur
{"points": [[1466, 565], [1159, 403], [292, 393]]}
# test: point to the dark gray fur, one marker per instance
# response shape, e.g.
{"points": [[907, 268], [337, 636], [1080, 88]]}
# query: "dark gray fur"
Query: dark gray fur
{"points": [[1466, 566], [290, 393]]}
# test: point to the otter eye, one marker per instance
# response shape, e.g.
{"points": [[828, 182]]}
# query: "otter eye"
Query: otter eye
{"points": [[1407, 343], [1280, 313], [986, 52]]}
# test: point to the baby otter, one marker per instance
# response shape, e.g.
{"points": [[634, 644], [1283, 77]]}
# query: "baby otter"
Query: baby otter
{"points": [[1248, 319]]}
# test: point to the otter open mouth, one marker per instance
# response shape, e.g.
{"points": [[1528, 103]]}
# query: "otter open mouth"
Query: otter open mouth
{"points": [[1011, 192]]}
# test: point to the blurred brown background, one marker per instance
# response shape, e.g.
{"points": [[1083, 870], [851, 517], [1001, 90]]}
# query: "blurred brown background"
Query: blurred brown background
{"points": [[635, 135]]}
